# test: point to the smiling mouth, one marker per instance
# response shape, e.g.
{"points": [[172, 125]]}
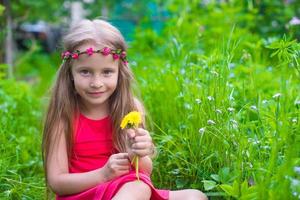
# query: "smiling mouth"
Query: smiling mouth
{"points": [[95, 94]]}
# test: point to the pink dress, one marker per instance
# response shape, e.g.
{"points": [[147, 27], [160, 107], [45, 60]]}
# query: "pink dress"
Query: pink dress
{"points": [[92, 148]]}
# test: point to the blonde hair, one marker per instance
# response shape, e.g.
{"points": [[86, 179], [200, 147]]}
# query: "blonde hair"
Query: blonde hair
{"points": [[64, 101]]}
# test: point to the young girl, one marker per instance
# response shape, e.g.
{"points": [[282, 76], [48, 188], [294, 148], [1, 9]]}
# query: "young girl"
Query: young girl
{"points": [[85, 152]]}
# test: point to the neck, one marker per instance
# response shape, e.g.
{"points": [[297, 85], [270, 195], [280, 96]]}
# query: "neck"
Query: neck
{"points": [[95, 112]]}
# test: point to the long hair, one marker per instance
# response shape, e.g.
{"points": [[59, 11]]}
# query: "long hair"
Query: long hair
{"points": [[64, 101]]}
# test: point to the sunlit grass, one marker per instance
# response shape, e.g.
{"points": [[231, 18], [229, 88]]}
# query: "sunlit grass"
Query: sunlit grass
{"points": [[222, 120], [224, 114]]}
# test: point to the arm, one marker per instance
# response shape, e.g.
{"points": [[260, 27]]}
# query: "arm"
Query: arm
{"points": [[59, 178], [145, 164], [64, 183]]}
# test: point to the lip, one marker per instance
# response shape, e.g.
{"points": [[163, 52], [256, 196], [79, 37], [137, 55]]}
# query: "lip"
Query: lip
{"points": [[95, 94]]}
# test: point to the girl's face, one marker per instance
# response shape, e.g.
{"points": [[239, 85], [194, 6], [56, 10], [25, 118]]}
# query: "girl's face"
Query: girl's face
{"points": [[95, 77]]}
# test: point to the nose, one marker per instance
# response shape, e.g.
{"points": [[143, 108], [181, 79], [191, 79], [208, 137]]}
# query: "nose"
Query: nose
{"points": [[96, 82]]}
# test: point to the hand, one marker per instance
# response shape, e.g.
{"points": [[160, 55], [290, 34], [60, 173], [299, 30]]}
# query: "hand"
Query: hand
{"points": [[117, 165], [140, 142]]}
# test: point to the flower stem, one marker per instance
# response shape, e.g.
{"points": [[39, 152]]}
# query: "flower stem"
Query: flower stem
{"points": [[136, 161]]}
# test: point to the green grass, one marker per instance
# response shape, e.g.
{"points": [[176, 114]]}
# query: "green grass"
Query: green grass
{"points": [[223, 107], [21, 174]]}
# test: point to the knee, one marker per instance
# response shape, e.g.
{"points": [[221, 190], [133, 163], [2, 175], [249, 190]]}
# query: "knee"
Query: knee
{"points": [[135, 190], [197, 195], [143, 189]]}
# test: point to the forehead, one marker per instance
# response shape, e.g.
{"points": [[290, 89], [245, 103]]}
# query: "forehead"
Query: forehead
{"points": [[94, 60]]}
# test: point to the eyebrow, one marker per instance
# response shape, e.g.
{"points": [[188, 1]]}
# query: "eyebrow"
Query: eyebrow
{"points": [[89, 67], [83, 66]]}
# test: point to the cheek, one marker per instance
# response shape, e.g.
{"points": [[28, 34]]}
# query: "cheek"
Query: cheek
{"points": [[79, 83], [111, 83]]}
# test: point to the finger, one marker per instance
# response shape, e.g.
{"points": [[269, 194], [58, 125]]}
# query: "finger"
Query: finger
{"points": [[142, 152], [130, 133], [121, 156], [144, 138], [123, 167], [124, 171], [141, 145], [141, 131], [123, 162]]}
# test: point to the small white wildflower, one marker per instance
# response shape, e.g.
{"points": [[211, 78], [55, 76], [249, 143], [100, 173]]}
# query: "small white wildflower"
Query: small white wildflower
{"points": [[253, 108], [295, 182], [214, 73], [211, 122], [274, 23], [297, 102], [4, 107], [228, 84], [255, 142], [201, 130], [266, 147], [234, 123], [277, 95], [182, 71], [270, 68], [218, 111], [187, 106], [295, 193], [246, 55], [294, 120], [230, 109], [250, 165], [264, 101], [198, 101], [210, 98], [231, 65], [294, 21], [231, 98], [180, 95], [297, 169]]}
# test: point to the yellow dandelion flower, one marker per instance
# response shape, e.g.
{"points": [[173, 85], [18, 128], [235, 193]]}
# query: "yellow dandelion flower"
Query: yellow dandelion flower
{"points": [[131, 120]]}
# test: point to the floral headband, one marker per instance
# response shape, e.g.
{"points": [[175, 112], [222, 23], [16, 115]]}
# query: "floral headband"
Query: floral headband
{"points": [[116, 54]]}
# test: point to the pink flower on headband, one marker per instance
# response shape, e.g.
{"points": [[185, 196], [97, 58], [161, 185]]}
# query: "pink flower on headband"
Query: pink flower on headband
{"points": [[65, 54], [106, 51], [123, 54], [90, 51], [75, 56], [115, 56]]}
